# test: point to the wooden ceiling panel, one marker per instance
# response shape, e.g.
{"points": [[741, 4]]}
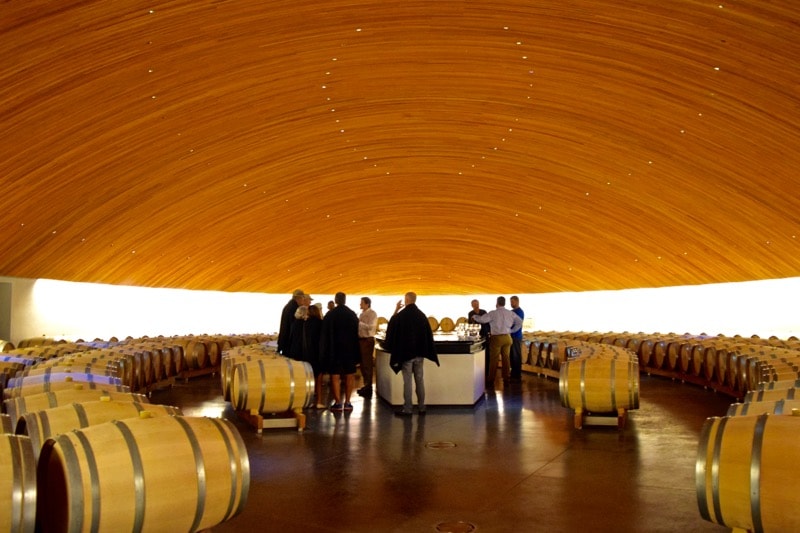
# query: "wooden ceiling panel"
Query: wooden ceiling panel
{"points": [[445, 147]]}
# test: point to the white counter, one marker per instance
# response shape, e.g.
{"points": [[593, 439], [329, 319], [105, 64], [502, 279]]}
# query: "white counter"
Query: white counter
{"points": [[460, 380]]}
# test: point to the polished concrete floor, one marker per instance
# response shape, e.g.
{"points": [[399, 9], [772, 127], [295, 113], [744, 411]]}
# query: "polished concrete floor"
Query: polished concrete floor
{"points": [[512, 463]]}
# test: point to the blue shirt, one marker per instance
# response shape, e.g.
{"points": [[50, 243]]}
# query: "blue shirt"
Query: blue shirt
{"points": [[521, 314]]}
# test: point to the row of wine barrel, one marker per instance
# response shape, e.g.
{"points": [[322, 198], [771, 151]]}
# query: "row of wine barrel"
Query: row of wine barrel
{"points": [[73, 408], [733, 364], [746, 471], [77, 458], [134, 363], [445, 324]]}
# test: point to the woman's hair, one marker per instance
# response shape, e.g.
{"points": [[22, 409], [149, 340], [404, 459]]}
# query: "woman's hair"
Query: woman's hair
{"points": [[315, 311], [301, 313]]}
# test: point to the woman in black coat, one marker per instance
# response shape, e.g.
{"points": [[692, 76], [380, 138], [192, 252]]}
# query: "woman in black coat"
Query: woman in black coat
{"points": [[312, 331]]}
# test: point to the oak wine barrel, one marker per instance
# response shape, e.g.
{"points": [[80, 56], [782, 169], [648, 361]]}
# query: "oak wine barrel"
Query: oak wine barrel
{"points": [[777, 407], [272, 385], [16, 407], [745, 472], [44, 424], [66, 383], [167, 473], [17, 484], [600, 384]]}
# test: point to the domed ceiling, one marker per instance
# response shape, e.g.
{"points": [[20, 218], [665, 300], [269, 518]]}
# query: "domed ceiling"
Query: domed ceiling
{"points": [[447, 147]]}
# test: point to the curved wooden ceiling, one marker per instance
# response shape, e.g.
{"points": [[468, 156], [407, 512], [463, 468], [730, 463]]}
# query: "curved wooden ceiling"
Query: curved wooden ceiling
{"points": [[364, 145]]}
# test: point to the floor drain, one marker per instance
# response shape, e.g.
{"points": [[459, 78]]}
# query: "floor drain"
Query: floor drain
{"points": [[455, 527], [441, 444]]}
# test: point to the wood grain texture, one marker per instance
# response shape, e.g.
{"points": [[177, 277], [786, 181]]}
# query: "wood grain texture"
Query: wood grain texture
{"points": [[445, 147]]}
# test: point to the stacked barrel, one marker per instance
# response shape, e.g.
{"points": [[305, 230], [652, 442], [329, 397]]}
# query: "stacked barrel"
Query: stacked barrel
{"points": [[746, 471], [78, 439], [731, 365], [445, 324], [142, 364]]}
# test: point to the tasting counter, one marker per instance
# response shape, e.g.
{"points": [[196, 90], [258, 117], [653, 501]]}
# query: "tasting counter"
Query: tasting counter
{"points": [[459, 380]]}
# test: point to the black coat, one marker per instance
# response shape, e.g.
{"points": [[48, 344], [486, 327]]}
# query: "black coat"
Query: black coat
{"points": [[339, 349], [409, 335], [285, 331], [295, 345], [312, 332]]}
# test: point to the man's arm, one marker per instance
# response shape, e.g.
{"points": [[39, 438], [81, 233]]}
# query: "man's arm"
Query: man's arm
{"points": [[517, 324], [482, 319]]}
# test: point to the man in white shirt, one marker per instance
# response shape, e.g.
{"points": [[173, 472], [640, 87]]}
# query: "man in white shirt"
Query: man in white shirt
{"points": [[367, 326], [502, 322]]}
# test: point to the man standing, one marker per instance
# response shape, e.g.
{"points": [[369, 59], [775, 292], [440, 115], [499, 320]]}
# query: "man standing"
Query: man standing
{"points": [[485, 332], [516, 343], [287, 319], [502, 322], [367, 326], [409, 340], [340, 351]]}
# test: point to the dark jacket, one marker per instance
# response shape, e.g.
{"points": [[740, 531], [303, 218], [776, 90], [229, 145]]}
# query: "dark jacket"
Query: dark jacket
{"points": [[339, 347], [409, 335], [285, 331], [312, 331], [295, 345]]}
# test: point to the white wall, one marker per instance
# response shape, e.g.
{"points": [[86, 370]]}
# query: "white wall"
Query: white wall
{"points": [[67, 310]]}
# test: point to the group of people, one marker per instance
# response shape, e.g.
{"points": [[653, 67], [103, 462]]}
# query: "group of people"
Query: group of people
{"points": [[340, 343], [501, 330], [333, 344]]}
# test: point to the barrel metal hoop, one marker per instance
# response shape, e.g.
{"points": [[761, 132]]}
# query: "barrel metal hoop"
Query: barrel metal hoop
{"points": [[309, 384], [83, 418], [138, 474], [241, 372], [75, 481], [18, 483], [263, 373], [780, 406], [200, 469], [701, 467], [291, 383], [94, 478], [239, 466], [755, 472], [29, 478], [613, 384], [718, 518], [563, 390]]}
